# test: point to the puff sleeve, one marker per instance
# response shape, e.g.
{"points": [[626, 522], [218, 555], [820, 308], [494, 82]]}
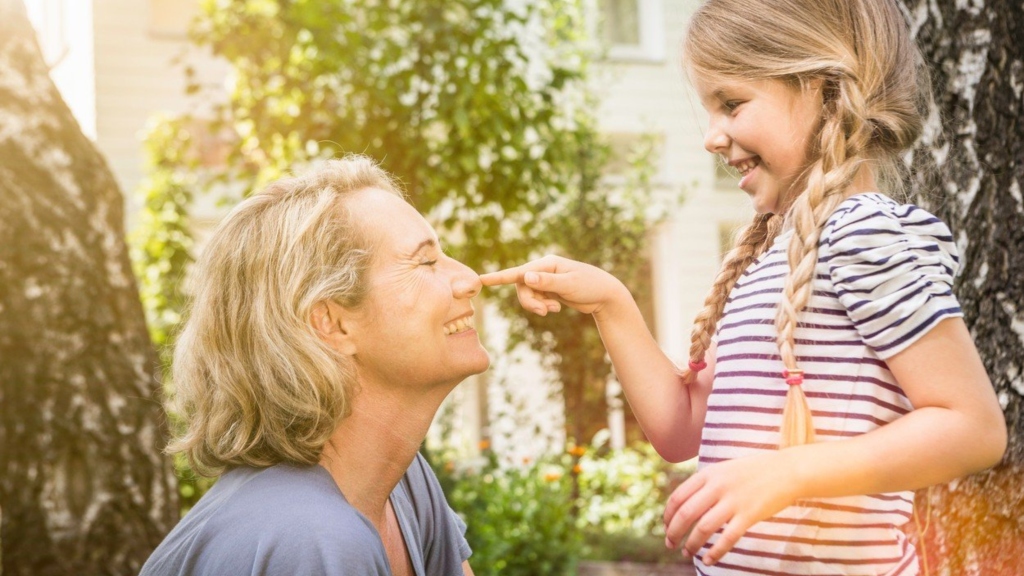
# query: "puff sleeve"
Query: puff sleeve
{"points": [[892, 266]]}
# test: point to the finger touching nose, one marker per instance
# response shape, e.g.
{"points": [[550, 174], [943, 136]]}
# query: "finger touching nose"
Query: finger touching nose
{"points": [[502, 277], [466, 283]]}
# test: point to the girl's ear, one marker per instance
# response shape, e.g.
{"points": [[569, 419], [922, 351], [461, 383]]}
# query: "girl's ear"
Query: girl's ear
{"points": [[815, 88], [333, 324]]}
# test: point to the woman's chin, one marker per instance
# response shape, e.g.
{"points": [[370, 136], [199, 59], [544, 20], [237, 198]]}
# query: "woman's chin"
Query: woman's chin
{"points": [[482, 363], [473, 363]]}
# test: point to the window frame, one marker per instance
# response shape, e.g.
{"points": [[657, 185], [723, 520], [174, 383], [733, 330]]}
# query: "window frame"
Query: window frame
{"points": [[651, 47]]}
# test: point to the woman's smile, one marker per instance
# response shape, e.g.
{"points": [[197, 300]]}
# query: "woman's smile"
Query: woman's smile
{"points": [[459, 326]]}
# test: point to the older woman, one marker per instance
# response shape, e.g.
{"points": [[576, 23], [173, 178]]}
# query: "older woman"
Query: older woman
{"points": [[326, 328]]}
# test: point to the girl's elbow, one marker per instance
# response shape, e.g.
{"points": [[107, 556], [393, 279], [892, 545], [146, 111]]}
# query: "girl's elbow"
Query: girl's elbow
{"points": [[991, 443], [999, 441], [675, 451]]}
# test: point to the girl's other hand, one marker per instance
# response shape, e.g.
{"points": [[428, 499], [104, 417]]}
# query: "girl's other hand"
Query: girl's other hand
{"points": [[545, 284], [731, 496]]}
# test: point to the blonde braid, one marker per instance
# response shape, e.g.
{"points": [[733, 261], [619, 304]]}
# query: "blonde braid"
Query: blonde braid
{"points": [[844, 137], [751, 243]]}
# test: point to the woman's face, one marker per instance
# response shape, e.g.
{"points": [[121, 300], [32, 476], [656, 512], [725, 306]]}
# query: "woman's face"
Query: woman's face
{"points": [[415, 327], [764, 130]]}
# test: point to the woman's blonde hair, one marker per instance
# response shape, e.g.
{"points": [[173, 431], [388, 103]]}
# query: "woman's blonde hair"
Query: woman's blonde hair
{"points": [[253, 382], [875, 92]]}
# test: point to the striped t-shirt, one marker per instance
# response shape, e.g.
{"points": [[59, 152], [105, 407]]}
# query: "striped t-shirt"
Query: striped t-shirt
{"points": [[884, 278]]}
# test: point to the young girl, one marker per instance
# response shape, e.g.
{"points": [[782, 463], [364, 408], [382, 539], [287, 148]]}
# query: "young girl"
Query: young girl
{"points": [[830, 370]]}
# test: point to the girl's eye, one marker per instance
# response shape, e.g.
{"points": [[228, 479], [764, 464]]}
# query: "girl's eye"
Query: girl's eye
{"points": [[732, 104]]}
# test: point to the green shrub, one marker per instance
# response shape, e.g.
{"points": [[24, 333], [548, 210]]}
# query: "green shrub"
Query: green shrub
{"points": [[540, 518], [624, 490], [520, 519], [622, 496]]}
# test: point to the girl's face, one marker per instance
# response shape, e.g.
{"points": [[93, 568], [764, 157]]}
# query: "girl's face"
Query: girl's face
{"points": [[762, 128]]}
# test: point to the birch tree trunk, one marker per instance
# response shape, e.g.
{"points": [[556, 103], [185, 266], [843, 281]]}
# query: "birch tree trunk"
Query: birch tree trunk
{"points": [[83, 484], [971, 173]]}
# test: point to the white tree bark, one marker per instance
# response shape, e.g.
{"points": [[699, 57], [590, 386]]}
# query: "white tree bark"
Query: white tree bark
{"points": [[970, 166], [84, 486]]}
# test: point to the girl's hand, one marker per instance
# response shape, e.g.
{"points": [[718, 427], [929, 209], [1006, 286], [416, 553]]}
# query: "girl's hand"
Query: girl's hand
{"points": [[544, 284], [732, 495]]}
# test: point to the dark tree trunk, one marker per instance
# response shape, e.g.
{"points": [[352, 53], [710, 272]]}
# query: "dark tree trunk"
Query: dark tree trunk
{"points": [[971, 173], [83, 484]]}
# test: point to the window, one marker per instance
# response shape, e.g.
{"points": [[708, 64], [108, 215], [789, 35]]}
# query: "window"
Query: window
{"points": [[632, 29], [620, 22]]}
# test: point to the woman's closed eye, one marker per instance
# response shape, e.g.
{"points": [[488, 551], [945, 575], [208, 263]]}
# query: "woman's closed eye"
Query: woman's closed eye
{"points": [[430, 263]]}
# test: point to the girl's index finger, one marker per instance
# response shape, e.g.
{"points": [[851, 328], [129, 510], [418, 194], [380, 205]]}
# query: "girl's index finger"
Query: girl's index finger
{"points": [[503, 277]]}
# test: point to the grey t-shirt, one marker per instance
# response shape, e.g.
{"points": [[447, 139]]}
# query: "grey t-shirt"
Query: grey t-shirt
{"points": [[290, 520]]}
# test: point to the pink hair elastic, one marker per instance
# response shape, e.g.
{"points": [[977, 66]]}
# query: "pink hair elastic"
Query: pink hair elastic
{"points": [[793, 377], [697, 366]]}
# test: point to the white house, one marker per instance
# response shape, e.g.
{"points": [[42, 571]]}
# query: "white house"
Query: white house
{"points": [[115, 63]]}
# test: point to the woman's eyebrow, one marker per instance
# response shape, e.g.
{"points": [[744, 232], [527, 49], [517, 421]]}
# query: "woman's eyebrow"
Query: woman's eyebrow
{"points": [[428, 243]]}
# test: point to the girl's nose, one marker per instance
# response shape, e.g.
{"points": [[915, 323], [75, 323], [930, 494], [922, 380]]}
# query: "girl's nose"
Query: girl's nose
{"points": [[715, 140], [465, 282]]}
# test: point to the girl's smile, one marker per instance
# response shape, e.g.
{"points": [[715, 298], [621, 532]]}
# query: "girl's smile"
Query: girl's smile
{"points": [[745, 167]]}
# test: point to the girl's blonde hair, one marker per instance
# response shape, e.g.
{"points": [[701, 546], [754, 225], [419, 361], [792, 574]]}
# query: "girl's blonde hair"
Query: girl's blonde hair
{"points": [[875, 93], [253, 382]]}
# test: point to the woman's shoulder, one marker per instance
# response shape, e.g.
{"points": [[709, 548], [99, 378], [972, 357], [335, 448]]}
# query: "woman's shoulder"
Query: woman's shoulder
{"points": [[278, 517], [284, 496]]}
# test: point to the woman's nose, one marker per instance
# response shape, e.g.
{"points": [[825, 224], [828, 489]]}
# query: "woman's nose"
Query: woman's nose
{"points": [[715, 140], [465, 282]]}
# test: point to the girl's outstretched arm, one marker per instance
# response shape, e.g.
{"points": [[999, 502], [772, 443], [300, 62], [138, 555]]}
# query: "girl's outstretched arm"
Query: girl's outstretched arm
{"points": [[670, 412], [956, 428]]}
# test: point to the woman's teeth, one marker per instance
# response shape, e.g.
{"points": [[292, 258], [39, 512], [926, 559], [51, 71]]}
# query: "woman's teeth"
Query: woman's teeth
{"points": [[460, 325]]}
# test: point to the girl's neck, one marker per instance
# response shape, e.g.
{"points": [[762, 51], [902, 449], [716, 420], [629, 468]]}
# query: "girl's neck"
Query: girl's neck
{"points": [[863, 182]]}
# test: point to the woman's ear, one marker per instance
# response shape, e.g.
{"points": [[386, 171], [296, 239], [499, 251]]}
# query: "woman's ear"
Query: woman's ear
{"points": [[333, 324]]}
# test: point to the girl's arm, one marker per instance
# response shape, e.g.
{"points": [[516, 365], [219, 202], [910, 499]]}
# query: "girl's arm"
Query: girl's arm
{"points": [[670, 413], [956, 428]]}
